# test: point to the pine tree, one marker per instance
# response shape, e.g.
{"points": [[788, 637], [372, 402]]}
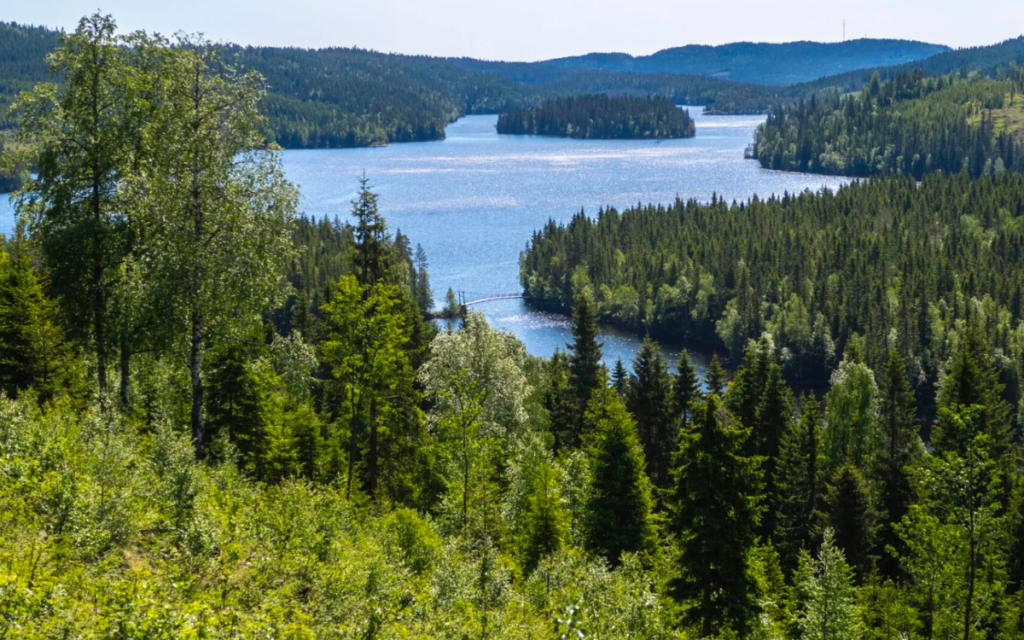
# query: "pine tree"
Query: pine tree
{"points": [[649, 400], [586, 373], [715, 516], [800, 486], [619, 507], [685, 389], [829, 611], [851, 517], [900, 448]]}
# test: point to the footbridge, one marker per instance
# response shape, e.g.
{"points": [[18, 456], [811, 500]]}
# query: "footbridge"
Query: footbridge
{"points": [[465, 302]]}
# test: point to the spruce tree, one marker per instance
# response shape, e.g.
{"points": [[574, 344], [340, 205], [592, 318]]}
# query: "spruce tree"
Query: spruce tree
{"points": [[620, 378], [586, 373], [545, 519], [900, 447], [717, 377], [370, 235], [973, 379], [747, 387], [715, 517], [236, 408], [800, 486], [774, 414], [32, 350], [649, 399], [685, 389], [619, 507], [830, 608], [851, 517], [560, 403]]}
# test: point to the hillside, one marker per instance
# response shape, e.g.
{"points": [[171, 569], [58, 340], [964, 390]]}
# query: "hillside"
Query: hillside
{"points": [[763, 63], [22, 61], [911, 124], [986, 59]]}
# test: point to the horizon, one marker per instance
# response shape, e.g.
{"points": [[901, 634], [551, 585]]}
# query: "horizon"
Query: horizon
{"points": [[567, 29]]}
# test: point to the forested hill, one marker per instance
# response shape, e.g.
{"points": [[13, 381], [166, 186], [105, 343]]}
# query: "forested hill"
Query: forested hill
{"points": [[352, 97], [600, 116], [986, 59], [910, 125], [761, 62], [341, 97], [22, 62], [901, 264]]}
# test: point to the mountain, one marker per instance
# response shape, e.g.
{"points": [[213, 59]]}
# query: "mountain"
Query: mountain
{"points": [[986, 59], [762, 63]]}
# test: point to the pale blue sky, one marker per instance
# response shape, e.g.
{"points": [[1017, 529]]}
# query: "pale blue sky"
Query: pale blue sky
{"points": [[539, 29]]}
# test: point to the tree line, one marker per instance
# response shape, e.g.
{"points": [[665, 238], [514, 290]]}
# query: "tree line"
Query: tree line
{"points": [[910, 125], [600, 117]]}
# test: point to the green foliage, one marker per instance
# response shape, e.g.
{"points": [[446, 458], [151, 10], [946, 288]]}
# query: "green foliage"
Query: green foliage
{"points": [[599, 116], [851, 413], [851, 517], [649, 399], [800, 485], [900, 447], [829, 610], [371, 385], [586, 373], [902, 264], [619, 505], [956, 574], [715, 517], [32, 349], [909, 125]]}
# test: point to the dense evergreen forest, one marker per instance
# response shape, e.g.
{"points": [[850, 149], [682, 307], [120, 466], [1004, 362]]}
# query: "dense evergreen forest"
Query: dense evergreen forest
{"points": [[910, 124], [600, 117], [220, 420], [762, 62], [901, 265]]}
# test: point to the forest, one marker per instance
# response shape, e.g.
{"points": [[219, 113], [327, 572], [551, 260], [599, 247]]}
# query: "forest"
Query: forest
{"points": [[910, 125], [599, 116], [899, 265], [220, 419]]}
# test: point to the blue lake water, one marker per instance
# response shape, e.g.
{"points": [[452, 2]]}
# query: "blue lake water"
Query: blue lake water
{"points": [[474, 199]]}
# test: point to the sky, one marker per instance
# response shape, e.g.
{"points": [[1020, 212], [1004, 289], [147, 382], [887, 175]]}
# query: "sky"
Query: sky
{"points": [[541, 29]]}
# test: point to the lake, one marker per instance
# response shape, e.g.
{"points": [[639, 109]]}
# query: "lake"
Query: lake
{"points": [[474, 199]]}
